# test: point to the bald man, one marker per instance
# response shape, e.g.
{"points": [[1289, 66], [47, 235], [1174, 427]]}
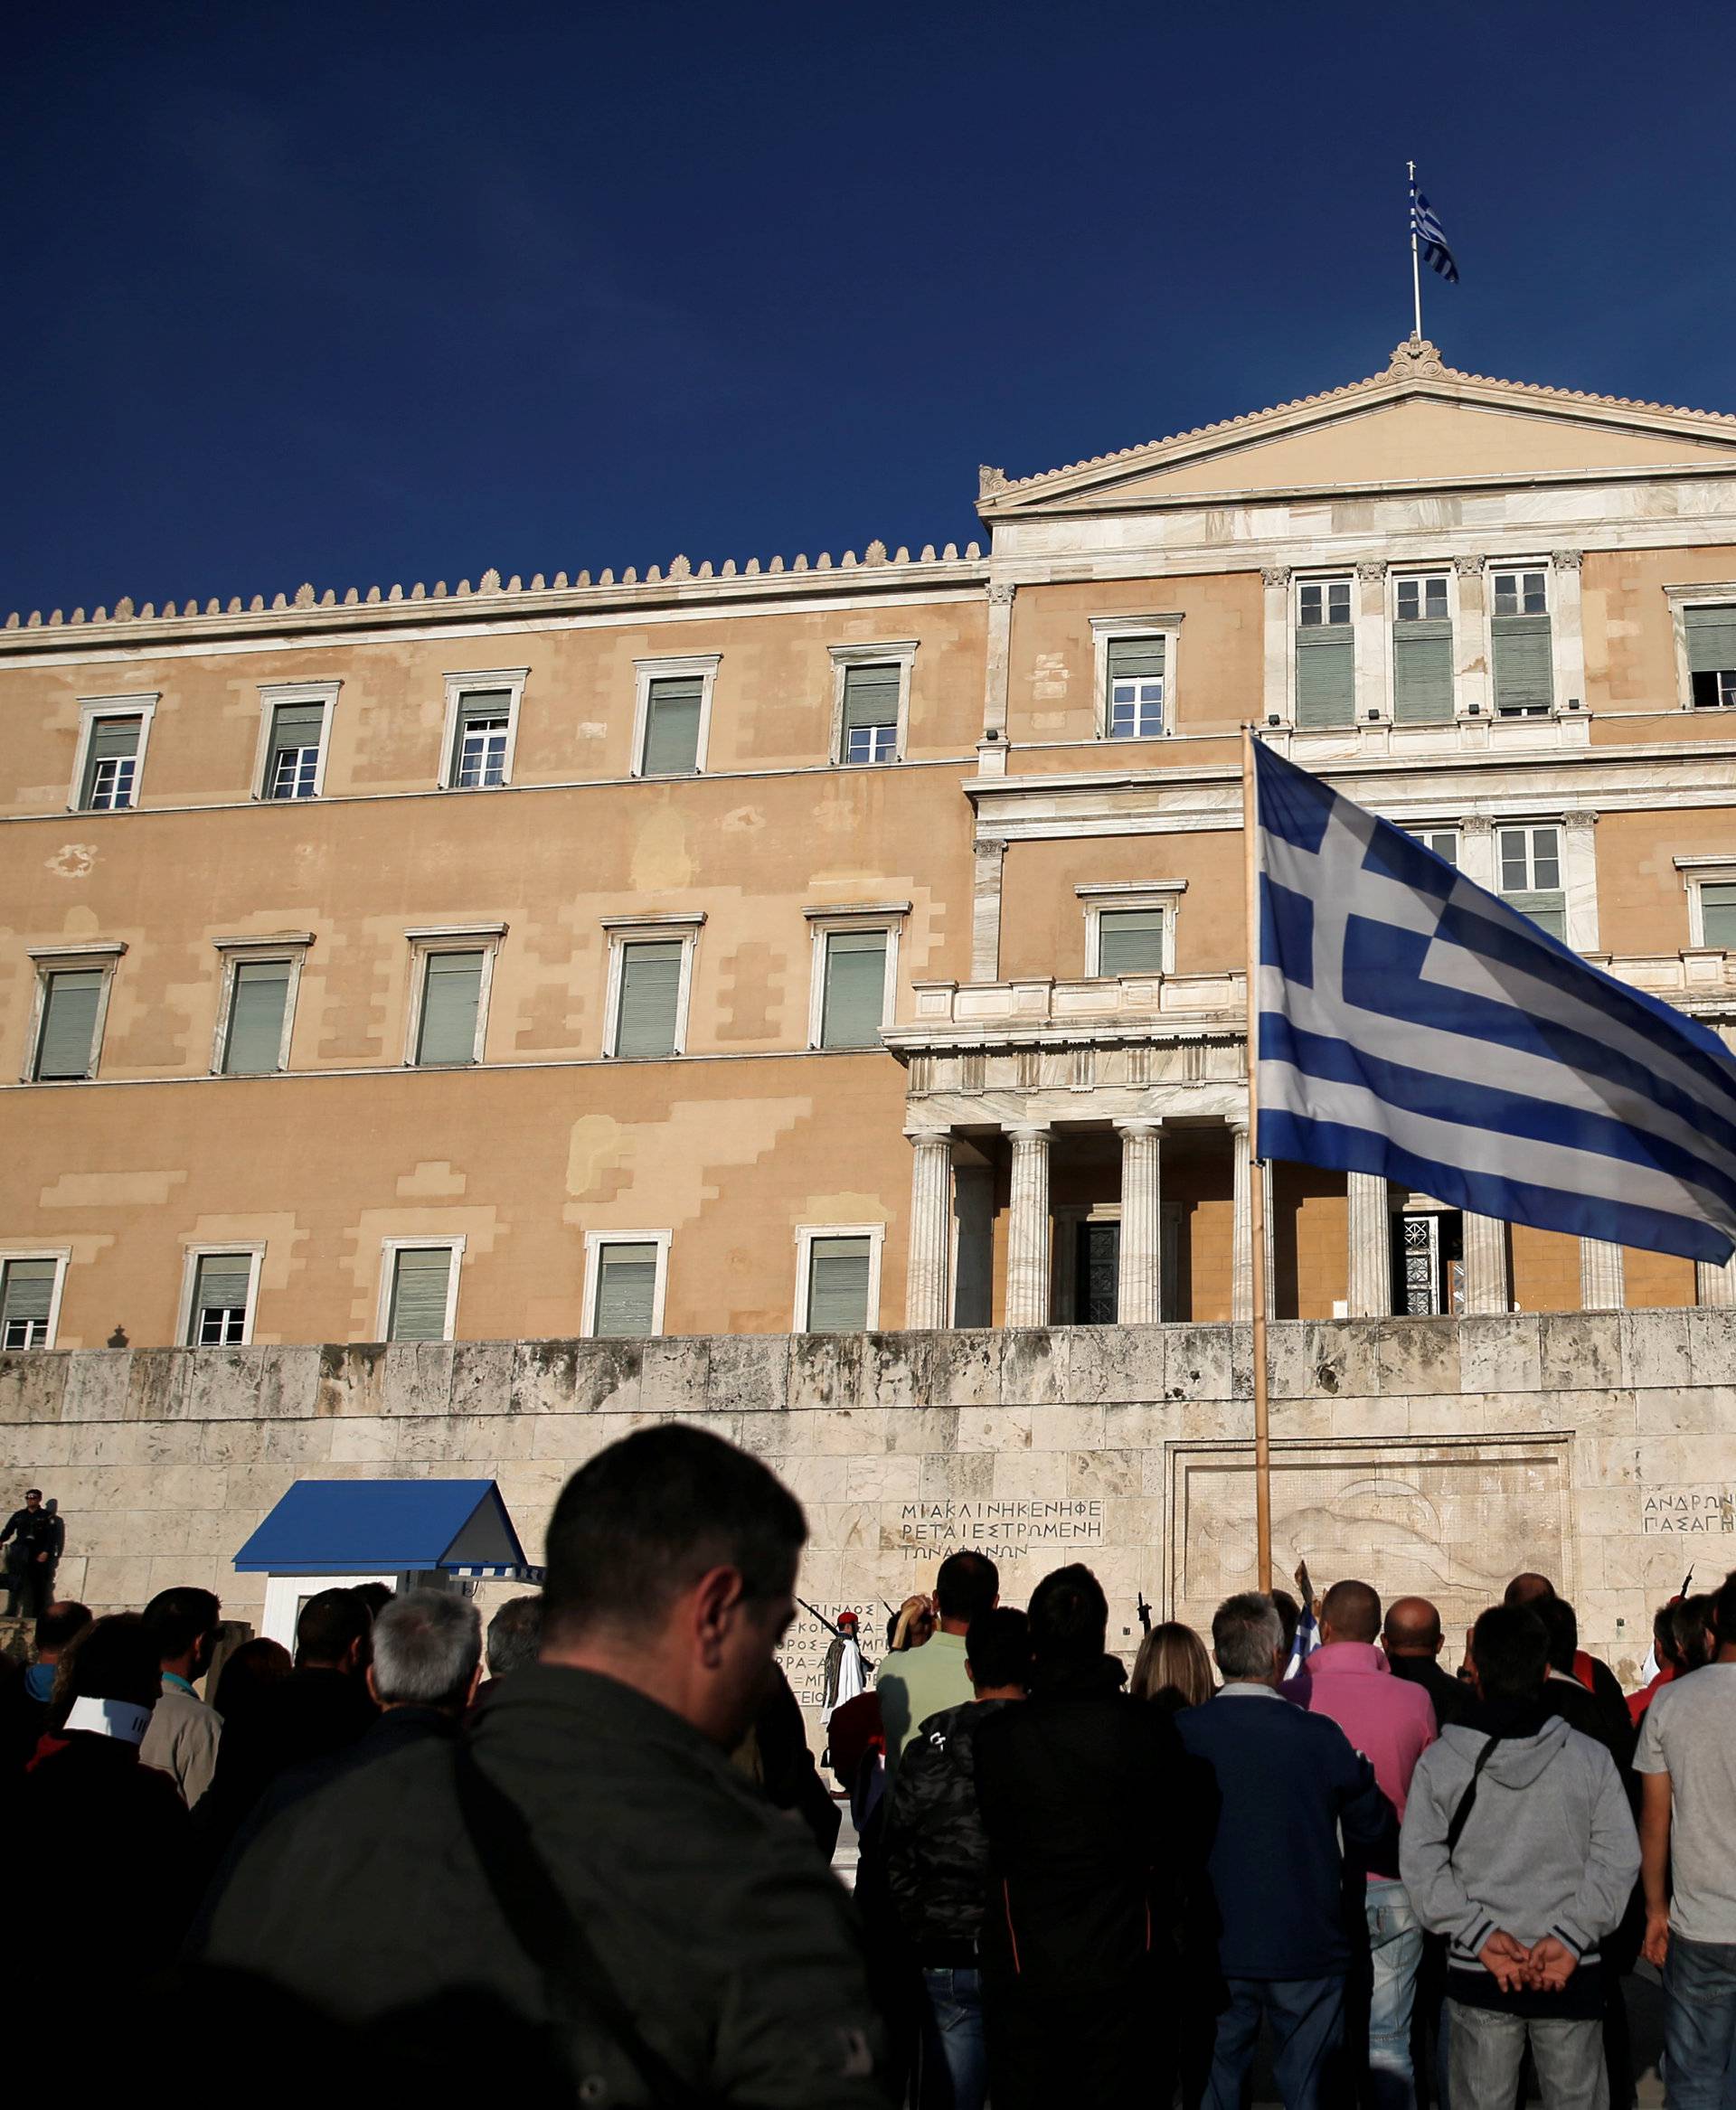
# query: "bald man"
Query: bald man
{"points": [[1597, 1679], [1412, 1640]]}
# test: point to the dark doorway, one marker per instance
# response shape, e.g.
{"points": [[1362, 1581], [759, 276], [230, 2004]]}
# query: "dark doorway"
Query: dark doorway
{"points": [[1096, 1275]]}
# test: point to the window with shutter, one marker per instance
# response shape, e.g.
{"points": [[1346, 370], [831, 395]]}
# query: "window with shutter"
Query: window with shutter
{"points": [[451, 998], [1422, 652], [1525, 677], [672, 727], [647, 1007], [1530, 872], [854, 1004], [422, 1282], [258, 999], [219, 1314], [66, 1044], [1326, 676], [838, 1275], [1136, 675], [26, 1299], [1130, 941], [292, 765], [111, 764], [870, 714], [1718, 913], [485, 719], [626, 1291], [1711, 655]]}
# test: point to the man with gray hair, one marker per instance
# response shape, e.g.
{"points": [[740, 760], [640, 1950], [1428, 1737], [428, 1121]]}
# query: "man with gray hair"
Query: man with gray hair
{"points": [[1290, 1787], [427, 1658]]}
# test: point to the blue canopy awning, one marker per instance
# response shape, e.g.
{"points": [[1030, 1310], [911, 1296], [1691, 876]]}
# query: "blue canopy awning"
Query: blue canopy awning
{"points": [[388, 1527]]}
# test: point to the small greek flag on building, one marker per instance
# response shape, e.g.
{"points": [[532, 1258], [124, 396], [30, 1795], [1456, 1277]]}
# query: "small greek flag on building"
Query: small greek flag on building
{"points": [[1414, 1026], [1427, 230]]}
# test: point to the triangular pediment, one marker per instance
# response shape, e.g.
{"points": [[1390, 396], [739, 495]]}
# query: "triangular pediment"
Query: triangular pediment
{"points": [[1418, 424]]}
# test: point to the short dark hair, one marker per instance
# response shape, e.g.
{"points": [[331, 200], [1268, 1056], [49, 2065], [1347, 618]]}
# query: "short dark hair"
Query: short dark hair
{"points": [[113, 1658], [966, 1585], [1561, 1623], [59, 1623], [331, 1622], [1689, 1619], [1664, 1633], [1353, 1608], [514, 1635], [1510, 1648], [998, 1647], [645, 1519], [35, 1491], [1289, 1616], [1723, 1611], [179, 1618], [1068, 1619], [375, 1595]]}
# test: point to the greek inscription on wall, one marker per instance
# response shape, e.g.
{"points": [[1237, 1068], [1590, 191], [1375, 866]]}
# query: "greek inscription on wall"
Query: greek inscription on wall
{"points": [[1702, 1511], [1002, 1529]]}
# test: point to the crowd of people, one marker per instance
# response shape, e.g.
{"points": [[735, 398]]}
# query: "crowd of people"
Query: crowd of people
{"points": [[606, 1868]]}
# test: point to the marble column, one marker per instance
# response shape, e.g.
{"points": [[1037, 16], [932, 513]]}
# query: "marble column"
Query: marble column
{"points": [[986, 911], [1471, 639], [1139, 1287], [925, 1300], [1241, 1256], [1373, 644], [1600, 1275], [1487, 1284], [1370, 1276], [1567, 628], [1027, 1233], [997, 659], [1276, 690], [1714, 1285]]}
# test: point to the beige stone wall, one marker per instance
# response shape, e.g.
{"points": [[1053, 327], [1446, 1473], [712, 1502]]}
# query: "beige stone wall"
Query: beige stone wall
{"points": [[1629, 632], [1435, 1455]]}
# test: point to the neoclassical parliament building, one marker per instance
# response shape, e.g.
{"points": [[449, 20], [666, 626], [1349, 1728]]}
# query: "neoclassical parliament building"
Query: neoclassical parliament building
{"points": [[846, 943]]}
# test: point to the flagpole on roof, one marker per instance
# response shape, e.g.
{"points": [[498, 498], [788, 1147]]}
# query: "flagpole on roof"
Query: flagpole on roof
{"points": [[1416, 272], [1256, 1182]]}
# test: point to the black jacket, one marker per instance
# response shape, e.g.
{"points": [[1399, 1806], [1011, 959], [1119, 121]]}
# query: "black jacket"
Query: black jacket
{"points": [[1450, 1697], [27, 1534], [312, 1715], [729, 1939], [936, 1849]]}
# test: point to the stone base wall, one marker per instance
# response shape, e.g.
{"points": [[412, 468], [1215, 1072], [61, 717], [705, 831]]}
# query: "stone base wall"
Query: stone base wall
{"points": [[1430, 1456]]}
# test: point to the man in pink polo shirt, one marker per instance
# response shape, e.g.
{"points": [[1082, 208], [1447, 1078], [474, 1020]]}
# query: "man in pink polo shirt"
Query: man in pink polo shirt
{"points": [[1392, 1722]]}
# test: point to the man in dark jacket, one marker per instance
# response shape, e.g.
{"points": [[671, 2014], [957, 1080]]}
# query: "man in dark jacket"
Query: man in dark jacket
{"points": [[35, 1538], [1089, 1809], [590, 1888], [1291, 1788], [1413, 1639], [936, 1860]]}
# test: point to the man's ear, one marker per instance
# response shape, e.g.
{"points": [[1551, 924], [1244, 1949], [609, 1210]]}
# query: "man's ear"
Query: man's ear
{"points": [[470, 1694], [717, 1600], [373, 1691], [353, 1658]]}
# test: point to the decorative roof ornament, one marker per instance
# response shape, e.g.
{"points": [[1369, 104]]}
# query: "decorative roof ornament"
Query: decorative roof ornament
{"points": [[1415, 355], [989, 479]]}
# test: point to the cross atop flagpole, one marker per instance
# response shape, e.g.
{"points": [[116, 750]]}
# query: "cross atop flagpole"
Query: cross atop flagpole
{"points": [[1416, 272]]}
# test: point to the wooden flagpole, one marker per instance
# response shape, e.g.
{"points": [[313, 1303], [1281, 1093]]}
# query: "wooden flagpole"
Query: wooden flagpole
{"points": [[1256, 1182]]}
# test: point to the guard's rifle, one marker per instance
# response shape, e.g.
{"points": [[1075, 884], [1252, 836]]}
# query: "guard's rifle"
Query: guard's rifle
{"points": [[1143, 1610]]}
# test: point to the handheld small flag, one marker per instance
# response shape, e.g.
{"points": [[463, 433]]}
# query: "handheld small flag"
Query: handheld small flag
{"points": [[1427, 231], [1414, 1026], [1308, 1630]]}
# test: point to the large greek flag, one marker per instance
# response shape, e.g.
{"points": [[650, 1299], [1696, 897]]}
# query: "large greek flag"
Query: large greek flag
{"points": [[1411, 1024]]}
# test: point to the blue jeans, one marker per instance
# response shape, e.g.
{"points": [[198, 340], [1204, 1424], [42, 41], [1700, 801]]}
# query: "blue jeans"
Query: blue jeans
{"points": [[1699, 2025], [955, 2064], [1307, 2016], [1395, 1949]]}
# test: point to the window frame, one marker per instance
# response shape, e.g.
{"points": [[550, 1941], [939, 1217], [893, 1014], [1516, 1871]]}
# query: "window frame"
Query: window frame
{"points": [[896, 652], [272, 696], [213, 1249], [1681, 599], [1424, 831], [1107, 630], [1508, 824], [390, 1248], [236, 951], [1108, 896], [1419, 576], [1493, 566], [1494, 569], [62, 1256], [595, 1241], [805, 1235], [1324, 580], [143, 707], [887, 916], [1719, 871], [680, 667], [468, 683], [69, 959], [450, 937], [625, 930]]}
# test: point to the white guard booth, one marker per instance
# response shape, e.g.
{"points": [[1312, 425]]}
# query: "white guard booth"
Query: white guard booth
{"points": [[408, 1534]]}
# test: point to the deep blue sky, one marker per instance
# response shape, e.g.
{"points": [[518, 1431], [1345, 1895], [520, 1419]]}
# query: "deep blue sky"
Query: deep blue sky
{"points": [[367, 293]]}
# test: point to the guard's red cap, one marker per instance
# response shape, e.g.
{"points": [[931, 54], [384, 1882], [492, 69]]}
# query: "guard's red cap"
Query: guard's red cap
{"points": [[848, 1619]]}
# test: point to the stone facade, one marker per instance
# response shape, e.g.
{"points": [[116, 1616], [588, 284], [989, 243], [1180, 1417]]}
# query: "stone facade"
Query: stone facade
{"points": [[1430, 1456]]}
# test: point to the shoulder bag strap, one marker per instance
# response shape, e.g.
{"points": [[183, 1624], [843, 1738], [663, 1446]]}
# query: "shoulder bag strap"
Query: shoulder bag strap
{"points": [[1468, 1801], [579, 1989]]}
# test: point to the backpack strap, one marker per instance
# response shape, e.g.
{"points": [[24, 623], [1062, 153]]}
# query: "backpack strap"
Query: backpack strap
{"points": [[1468, 1801]]}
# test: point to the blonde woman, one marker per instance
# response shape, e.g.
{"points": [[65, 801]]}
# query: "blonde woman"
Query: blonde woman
{"points": [[1173, 1668]]}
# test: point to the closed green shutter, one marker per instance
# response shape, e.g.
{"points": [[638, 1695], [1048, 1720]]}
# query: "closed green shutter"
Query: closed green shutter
{"points": [[256, 1017], [1547, 910], [854, 1001], [1525, 677], [112, 739], [220, 1289], [1133, 659], [66, 1047], [451, 992], [626, 1291], [1718, 913], [1711, 639], [650, 996], [1422, 673], [1326, 675], [672, 728], [421, 1278], [25, 1301], [870, 695], [1130, 941], [837, 1285], [293, 725]]}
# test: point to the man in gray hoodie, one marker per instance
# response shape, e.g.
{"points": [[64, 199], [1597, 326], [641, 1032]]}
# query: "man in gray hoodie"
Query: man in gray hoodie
{"points": [[1518, 1844]]}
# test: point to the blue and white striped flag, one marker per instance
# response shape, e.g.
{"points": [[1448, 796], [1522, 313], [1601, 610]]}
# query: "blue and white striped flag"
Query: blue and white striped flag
{"points": [[1413, 1025], [1427, 230]]}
